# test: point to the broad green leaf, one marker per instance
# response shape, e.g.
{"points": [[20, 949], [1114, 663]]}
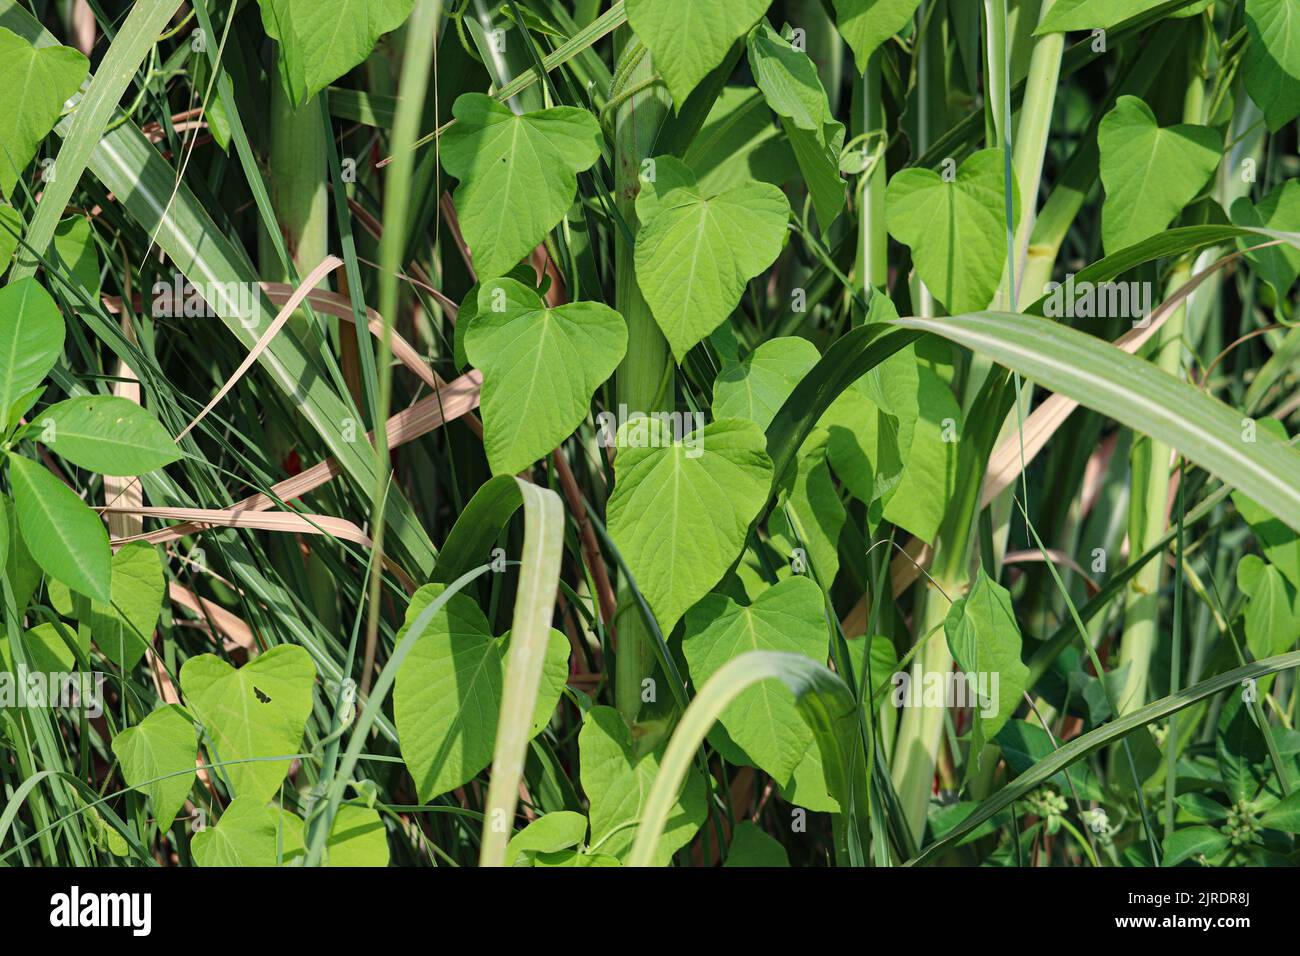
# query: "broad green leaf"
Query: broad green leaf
{"points": [[930, 424], [1240, 750], [1279, 210], [688, 38], [759, 385], [1150, 172], [696, 251], [318, 45], [1068, 15], [31, 339], [75, 244], [34, 87], [20, 567], [985, 640], [447, 698], [357, 838], [1271, 68], [791, 86], [45, 650], [549, 833], [866, 24], [123, 627], [617, 778], [1135, 393], [762, 721], [106, 434], [259, 710], [680, 510], [1273, 613], [1192, 843], [575, 858], [739, 143], [1280, 544], [157, 755], [249, 833], [518, 174], [956, 229], [810, 515], [1283, 815], [523, 272], [11, 227], [65, 537], [540, 366], [751, 847]]}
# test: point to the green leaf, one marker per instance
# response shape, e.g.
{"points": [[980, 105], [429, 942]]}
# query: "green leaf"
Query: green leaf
{"points": [[696, 250], [31, 339], [357, 838], [36, 84], [688, 38], [617, 778], [762, 721], [751, 847], [1273, 613], [1271, 68], [1186, 844], [447, 699], [523, 272], [20, 567], [1066, 15], [759, 385], [65, 537], [956, 230], [259, 710], [1279, 210], [541, 367], [45, 649], [106, 434], [985, 639], [1135, 393], [810, 515], [1150, 173], [865, 24], [318, 46], [681, 509], [163, 745], [1240, 750], [739, 143], [791, 86], [518, 174], [549, 833], [123, 627], [249, 833], [11, 227], [75, 244], [1283, 815]]}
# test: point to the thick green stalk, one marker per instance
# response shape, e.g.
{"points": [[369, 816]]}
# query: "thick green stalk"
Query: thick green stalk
{"points": [[298, 188], [644, 380]]}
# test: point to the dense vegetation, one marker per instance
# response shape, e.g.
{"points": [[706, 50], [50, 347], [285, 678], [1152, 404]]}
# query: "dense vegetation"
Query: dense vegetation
{"points": [[564, 433]]}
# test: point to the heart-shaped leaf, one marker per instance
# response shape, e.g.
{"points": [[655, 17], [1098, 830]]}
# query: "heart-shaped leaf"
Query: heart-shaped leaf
{"points": [[956, 227], [65, 537], [1150, 173], [763, 721], [809, 513], [259, 710], [617, 777], [681, 510], [106, 434], [1271, 68], [759, 385], [696, 251], [865, 24], [1279, 210], [518, 174], [31, 340], [157, 755], [549, 833], [1273, 613], [447, 698], [791, 86], [123, 627], [985, 640], [751, 847], [253, 833], [34, 86], [541, 367], [317, 46], [688, 38]]}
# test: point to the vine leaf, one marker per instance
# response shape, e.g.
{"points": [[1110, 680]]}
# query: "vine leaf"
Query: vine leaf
{"points": [[865, 24], [518, 174], [1271, 68], [163, 745], [35, 85], [985, 640], [1150, 172], [447, 698], [123, 627], [696, 251], [541, 367]]}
